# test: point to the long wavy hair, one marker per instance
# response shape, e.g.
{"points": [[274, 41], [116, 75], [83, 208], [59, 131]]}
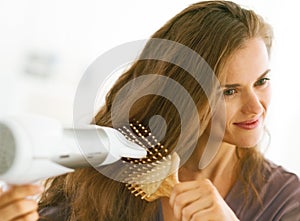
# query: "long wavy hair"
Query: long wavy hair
{"points": [[213, 29]]}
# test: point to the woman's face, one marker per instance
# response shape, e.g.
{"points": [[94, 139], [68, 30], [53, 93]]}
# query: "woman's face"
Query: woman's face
{"points": [[247, 94]]}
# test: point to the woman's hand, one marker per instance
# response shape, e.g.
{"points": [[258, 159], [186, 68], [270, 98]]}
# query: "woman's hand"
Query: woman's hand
{"points": [[199, 200], [15, 204]]}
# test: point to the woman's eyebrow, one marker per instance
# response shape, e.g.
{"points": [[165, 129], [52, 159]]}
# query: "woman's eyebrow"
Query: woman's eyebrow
{"points": [[264, 74], [231, 85], [237, 85]]}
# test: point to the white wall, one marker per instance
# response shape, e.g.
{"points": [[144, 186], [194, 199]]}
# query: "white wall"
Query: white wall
{"points": [[70, 34]]}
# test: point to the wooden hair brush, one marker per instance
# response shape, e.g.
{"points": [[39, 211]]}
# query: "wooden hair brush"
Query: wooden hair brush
{"points": [[155, 175]]}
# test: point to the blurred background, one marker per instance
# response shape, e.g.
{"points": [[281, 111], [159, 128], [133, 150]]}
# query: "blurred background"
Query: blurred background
{"points": [[45, 47]]}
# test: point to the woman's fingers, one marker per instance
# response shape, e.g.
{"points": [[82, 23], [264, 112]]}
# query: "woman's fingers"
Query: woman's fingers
{"points": [[15, 203], [189, 202], [199, 200], [201, 187], [29, 217], [181, 188], [16, 193], [18, 209], [190, 211]]}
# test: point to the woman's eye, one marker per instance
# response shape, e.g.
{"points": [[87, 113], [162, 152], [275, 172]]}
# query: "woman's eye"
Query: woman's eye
{"points": [[229, 92], [262, 81]]}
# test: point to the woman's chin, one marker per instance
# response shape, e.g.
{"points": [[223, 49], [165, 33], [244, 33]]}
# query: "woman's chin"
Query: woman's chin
{"points": [[244, 143], [245, 140]]}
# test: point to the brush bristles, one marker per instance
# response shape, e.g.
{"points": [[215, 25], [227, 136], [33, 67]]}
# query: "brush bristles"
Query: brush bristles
{"points": [[142, 136], [145, 175], [155, 182], [146, 180]]}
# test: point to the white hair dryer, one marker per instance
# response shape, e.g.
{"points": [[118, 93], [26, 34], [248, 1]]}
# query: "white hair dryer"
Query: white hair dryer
{"points": [[37, 147]]}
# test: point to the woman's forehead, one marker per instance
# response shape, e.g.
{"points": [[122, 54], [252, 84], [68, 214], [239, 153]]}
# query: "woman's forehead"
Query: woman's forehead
{"points": [[247, 63]]}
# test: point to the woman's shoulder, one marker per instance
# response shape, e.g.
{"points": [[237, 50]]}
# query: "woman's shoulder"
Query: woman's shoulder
{"points": [[284, 181], [279, 197], [281, 191]]}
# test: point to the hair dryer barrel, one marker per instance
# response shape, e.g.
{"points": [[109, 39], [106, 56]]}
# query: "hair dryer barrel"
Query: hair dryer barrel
{"points": [[36, 147]]}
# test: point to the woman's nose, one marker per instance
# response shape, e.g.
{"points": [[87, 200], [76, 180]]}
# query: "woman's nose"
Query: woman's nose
{"points": [[252, 103]]}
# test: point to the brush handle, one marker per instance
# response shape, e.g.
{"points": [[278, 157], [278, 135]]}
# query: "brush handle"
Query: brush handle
{"points": [[165, 189], [167, 185]]}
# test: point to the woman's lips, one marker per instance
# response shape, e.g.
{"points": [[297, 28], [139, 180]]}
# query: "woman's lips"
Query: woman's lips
{"points": [[249, 124]]}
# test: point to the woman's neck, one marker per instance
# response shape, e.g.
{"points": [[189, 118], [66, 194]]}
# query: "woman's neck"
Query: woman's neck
{"points": [[221, 170]]}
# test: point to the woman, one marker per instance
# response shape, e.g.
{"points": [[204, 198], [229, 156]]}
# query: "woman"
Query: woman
{"points": [[238, 183]]}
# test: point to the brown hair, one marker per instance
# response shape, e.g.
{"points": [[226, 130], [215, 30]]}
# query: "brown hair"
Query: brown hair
{"points": [[213, 29]]}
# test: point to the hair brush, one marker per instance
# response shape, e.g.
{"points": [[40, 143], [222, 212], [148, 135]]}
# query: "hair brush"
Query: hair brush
{"points": [[155, 175]]}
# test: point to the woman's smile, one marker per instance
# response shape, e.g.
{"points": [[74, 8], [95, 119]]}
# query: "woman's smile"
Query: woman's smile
{"points": [[249, 124]]}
